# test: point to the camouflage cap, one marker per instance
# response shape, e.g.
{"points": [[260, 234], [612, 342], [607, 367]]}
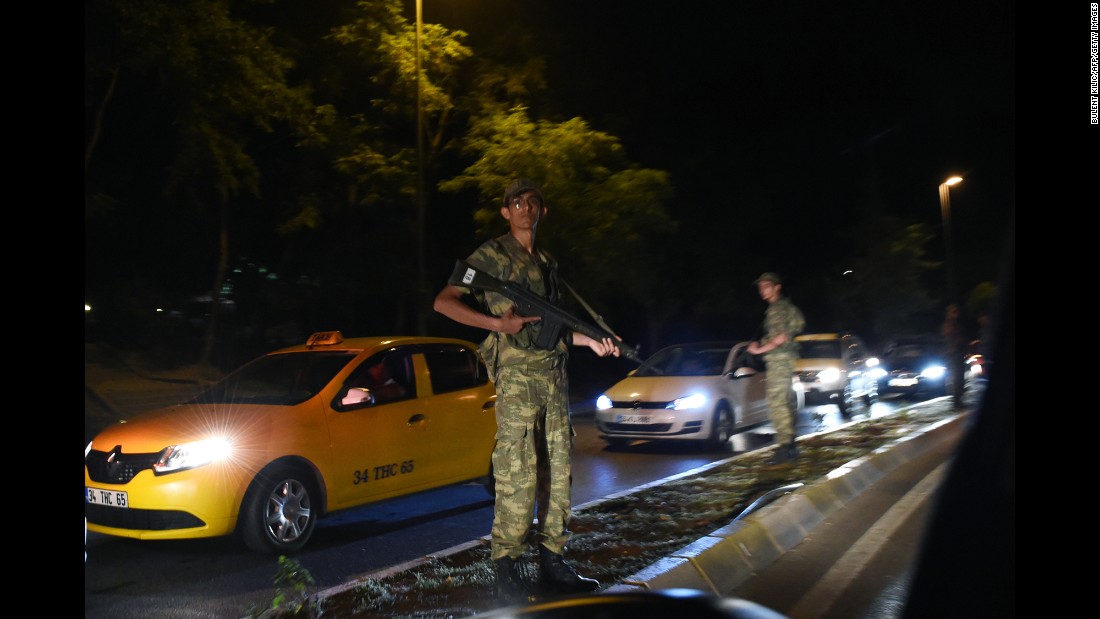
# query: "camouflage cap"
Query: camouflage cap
{"points": [[768, 277], [521, 185]]}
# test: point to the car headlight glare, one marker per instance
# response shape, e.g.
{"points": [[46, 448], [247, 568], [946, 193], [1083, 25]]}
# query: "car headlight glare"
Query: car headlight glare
{"points": [[933, 372], [603, 403], [695, 400], [876, 373], [186, 456], [829, 375]]}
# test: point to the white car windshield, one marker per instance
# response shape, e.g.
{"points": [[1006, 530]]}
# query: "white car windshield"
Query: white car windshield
{"points": [[687, 360]]}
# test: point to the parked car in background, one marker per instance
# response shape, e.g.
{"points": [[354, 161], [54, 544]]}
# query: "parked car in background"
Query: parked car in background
{"points": [[294, 435], [833, 369], [703, 392], [913, 366]]}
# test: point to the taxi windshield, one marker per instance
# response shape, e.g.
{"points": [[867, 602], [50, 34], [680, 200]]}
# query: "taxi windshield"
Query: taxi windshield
{"points": [[282, 379]]}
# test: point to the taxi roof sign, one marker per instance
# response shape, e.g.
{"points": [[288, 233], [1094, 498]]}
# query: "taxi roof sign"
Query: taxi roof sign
{"points": [[324, 338]]}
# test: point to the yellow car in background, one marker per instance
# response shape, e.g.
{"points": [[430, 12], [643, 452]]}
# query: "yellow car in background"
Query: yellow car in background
{"points": [[835, 368], [295, 435]]}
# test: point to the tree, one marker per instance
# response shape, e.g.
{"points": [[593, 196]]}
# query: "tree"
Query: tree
{"points": [[375, 145], [218, 78], [607, 214], [885, 293], [338, 176]]}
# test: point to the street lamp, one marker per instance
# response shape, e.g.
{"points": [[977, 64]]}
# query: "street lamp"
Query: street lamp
{"points": [[951, 330], [945, 212], [421, 208]]}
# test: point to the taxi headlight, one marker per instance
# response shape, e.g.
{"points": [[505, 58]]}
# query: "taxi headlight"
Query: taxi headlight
{"points": [[603, 403], [176, 458], [829, 375]]}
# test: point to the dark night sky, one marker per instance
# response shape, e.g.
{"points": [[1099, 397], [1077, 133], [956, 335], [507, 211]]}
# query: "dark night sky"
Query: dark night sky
{"points": [[828, 111]]}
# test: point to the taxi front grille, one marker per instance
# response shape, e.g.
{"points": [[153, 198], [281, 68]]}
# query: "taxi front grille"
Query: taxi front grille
{"points": [[115, 467], [141, 519]]}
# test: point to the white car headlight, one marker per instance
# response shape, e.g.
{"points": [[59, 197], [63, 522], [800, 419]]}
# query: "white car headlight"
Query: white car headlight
{"points": [[603, 403], [829, 375], [933, 372], [177, 458], [695, 400]]}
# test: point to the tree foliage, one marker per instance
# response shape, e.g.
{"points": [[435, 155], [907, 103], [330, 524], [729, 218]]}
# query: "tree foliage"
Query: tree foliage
{"points": [[604, 213], [295, 124], [220, 80], [885, 291]]}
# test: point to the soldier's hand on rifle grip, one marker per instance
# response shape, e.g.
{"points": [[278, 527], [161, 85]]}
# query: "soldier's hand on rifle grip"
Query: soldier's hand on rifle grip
{"points": [[512, 323]]}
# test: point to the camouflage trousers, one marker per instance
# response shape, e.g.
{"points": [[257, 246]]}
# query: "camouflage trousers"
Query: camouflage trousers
{"points": [[779, 403], [532, 458]]}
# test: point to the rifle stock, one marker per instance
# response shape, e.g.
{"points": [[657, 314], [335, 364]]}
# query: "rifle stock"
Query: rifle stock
{"points": [[530, 304]]}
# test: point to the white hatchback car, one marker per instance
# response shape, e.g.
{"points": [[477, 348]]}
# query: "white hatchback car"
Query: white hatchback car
{"points": [[703, 392]]}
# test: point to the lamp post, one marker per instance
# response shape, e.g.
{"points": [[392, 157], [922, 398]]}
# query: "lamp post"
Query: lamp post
{"points": [[945, 213], [421, 207], [951, 328]]}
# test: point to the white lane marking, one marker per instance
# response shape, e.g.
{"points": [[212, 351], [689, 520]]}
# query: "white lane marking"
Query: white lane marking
{"points": [[825, 593]]}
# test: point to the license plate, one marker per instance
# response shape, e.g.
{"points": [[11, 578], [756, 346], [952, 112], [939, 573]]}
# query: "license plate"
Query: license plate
{"points": [[110, 498], [903, 382], [633, 419]]}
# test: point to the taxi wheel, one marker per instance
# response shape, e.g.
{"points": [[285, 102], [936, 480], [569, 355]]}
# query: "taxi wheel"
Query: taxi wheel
{"points": [[278, 514]]}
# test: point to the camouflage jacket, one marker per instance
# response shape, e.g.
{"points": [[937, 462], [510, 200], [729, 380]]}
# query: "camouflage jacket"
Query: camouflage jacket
{"points": [[505, 259], [783, 317]]}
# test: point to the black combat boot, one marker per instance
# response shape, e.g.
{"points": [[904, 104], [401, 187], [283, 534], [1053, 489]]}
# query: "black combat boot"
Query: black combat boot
{"points": [[792, 450], [510, 588], [783, 453], [557, 576]]}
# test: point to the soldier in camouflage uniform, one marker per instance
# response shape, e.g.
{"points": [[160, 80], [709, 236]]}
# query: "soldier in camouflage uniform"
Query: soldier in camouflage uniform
{"points": [[782, 321], [534, 433]]}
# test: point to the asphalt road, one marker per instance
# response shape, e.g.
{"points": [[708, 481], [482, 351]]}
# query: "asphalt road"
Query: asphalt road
{"points": [[219, 578]]}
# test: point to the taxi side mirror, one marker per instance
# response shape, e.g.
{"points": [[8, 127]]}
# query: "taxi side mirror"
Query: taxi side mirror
{"points": [[356, 396]]}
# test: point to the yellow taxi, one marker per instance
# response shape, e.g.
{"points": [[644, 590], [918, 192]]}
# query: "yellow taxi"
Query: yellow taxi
{"points": [[294, 435]]}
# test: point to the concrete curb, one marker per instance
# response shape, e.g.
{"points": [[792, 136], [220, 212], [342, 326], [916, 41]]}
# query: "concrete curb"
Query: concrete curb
{"points": [[723, 560]]}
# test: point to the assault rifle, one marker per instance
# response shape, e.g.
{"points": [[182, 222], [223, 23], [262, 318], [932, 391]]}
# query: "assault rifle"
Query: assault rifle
{"points": [[531, 304]]}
